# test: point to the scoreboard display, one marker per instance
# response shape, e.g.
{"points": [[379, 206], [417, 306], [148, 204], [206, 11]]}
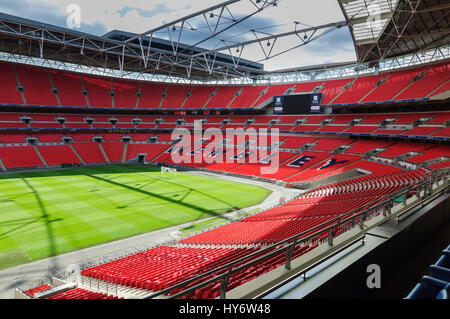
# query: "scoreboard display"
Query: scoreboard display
{"points": [[308, 103]]}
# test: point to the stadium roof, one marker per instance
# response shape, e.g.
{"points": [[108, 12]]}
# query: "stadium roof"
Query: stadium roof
{"points": [[381, 29], [38, 39], [389, 28]]}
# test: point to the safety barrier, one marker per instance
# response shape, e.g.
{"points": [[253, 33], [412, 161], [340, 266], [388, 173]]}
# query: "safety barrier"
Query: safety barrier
{"points": [[346, 222]]}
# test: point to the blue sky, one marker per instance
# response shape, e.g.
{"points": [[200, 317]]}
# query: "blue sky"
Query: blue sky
{"points": [[99, 17]]}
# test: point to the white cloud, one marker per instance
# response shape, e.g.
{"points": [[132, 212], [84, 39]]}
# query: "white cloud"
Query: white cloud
{"points": [[105, 11]]}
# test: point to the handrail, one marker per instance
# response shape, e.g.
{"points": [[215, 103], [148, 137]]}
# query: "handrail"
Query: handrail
{"points": [[427, 180], [266, 256], [269, 248], [312, 266]]}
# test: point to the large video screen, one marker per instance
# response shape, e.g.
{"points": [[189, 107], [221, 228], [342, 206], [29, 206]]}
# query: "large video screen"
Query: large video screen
{"points": [[297, 104]]}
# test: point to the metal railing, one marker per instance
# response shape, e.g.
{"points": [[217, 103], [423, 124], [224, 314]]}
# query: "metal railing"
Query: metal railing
{"points": [[325, 231], [96, 261], [339, 225], [33, 284]]}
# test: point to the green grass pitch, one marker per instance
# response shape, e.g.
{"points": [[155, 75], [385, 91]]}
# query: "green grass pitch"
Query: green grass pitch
{"points": [[45, 213]]}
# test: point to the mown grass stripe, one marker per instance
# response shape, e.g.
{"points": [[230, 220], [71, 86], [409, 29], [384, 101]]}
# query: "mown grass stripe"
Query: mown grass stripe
{"points": [[49, 212]]}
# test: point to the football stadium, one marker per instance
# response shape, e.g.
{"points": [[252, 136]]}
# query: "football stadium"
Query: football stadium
{"points": [[207, 157]]}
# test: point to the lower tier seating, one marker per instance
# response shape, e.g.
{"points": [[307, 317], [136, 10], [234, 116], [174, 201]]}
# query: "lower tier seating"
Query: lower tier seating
{"points": [[154, 269], [164, 266], [151, 150], [19, 157], [161, 267], [114, 150], [89, 152], [31, 292], [241, 277], [57, 154], [80, 293]]}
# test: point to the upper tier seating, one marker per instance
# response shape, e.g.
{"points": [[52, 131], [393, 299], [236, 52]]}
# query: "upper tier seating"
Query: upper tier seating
{"points": [[441, 89], [290, 119], [108, 92], [306, 87], [37, 85], [359, 89], [332, 88], [248, 96], [125, 93], [317, 119], [8, 92], [45, 125], [81, 137], [394, 83], [200, 95], [408, 118], [223, 97], [111, 136], [345, 119], [305, 128], [98, 91], [151, 95], [435, 76], [69, 87], [373, 118], [272, 91], [176, 94]]}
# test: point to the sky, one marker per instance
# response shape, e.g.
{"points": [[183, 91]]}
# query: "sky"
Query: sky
{"points": [[98, 17]]}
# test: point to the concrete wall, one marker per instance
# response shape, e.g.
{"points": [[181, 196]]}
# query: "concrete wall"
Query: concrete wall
{"points": [[394, 256]]}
